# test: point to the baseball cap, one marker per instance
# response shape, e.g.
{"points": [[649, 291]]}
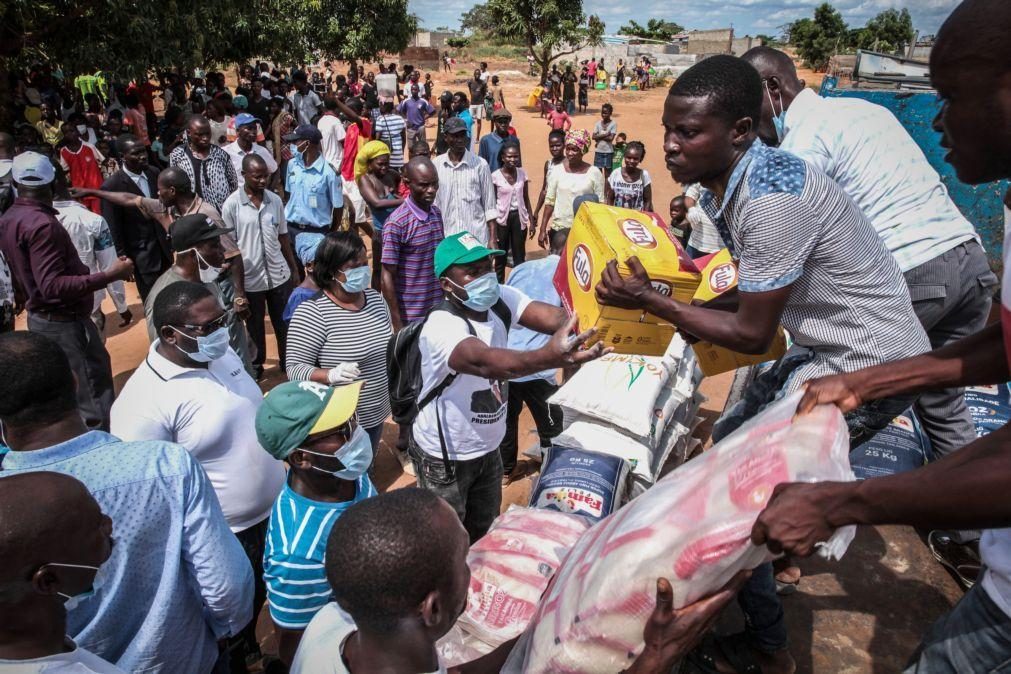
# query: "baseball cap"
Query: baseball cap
{"points": [[244, 118], [32, 169], [460, 249], [454, 125], [190, 230], [501, 113], [304, 132], [295, 410]]}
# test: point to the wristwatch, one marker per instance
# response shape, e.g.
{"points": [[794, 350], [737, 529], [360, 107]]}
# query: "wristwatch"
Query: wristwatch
{"points": [[240, 301]]}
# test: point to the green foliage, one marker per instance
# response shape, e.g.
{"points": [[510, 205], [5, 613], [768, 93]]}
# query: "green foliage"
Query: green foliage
{"points": [[818, 39], [477, 19], [458, 42], [769, 40], [889, 31], [655, 29]]}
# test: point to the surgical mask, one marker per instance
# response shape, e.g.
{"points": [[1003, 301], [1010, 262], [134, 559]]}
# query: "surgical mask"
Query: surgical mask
{"points": [[74, 600], [356, 455], [293, 149], [357, 279], [82, 129], [482, 292], [208, 274], [209, 347], [778, 120]]}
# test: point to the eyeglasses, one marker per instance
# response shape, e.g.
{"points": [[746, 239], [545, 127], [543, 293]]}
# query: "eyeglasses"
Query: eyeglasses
{"points": [[209, 327]]}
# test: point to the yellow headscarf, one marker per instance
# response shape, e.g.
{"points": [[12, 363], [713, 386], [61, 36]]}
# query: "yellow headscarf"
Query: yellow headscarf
{"points": [[368, 152]]}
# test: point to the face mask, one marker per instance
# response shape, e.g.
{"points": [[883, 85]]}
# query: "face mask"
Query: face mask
{"points": [[356, 455], [74, 600], [209, 347], [293, 149], [357, 279], [208, 274], [778, 120], [82, 129], [482, 292]]}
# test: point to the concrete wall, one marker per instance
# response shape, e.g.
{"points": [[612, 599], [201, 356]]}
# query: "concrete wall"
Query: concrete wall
{"points": [[429, 38], [631, 53], [717, 42]]}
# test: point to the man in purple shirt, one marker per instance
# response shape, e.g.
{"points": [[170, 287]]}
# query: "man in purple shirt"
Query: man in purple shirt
{"points": [[410, 237], [58, 288], [416, 109]]}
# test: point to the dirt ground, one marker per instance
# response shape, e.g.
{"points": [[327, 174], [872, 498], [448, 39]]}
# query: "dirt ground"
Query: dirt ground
{"points": [[863, 614]]}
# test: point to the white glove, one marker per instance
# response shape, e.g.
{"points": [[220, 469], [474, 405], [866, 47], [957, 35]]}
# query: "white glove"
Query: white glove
{"points": [[344, 373]]}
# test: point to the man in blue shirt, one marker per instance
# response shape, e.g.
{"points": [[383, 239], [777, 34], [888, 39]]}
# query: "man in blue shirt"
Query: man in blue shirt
{"points": [[491, 144], [315, 192], [177, 580], [314, 428], [416, 110]]}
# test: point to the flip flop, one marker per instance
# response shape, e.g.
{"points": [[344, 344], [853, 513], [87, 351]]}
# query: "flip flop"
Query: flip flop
{"points": [[735, 649]]}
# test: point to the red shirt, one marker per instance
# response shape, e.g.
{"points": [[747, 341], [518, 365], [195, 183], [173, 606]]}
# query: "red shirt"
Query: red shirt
{"points": [[351, 138], [84, 170]]}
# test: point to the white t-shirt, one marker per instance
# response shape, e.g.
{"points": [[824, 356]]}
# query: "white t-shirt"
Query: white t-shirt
{"points": [[333, 139], [77, 661], [472, 409], [320, 650], [211, 412]]}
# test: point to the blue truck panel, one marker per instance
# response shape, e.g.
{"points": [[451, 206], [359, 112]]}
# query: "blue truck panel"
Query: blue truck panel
{"points": [[982, 205]]}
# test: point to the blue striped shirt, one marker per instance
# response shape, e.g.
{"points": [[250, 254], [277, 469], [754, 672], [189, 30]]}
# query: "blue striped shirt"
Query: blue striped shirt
{"points": [[296, 545]]}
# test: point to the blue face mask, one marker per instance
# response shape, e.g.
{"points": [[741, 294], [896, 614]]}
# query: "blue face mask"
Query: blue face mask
{"points": [[356, 455], [74, 600], [778, 120], [209, 347], [482, 292], [356, 279]]}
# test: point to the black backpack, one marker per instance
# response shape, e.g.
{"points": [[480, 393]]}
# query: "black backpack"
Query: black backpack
{"points": [[403, 363]]}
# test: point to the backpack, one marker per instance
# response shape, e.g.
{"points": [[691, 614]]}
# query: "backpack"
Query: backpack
{"points": [[403, 363]]}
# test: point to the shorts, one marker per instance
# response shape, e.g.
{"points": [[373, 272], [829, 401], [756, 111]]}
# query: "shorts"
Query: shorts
{"points": [[602, 160], [477, 111], [353, 195]]}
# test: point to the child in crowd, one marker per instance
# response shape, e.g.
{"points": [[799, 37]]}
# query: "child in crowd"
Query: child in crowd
{"points": [[584, 89], [556, 150], [512, 206], [109, 165], [629, 186], [306, 244], [679, 225], [428, 87], [619, 151], [604, 132], [558, 119]]}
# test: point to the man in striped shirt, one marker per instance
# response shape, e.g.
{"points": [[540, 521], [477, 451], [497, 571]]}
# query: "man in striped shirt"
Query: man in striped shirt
{"points": [[410, 237], [314, 428], [466, 194], [807, 258]]}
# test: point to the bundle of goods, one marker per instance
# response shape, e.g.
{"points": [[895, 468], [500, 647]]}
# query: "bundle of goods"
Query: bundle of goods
{"points": [[990, 407], [693, 528], [900, 446], [638, 408], [581, 482], [509, 569]]}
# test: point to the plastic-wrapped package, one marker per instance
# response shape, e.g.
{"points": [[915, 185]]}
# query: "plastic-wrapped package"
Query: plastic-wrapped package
{"points": [[583, 482], [458, 647], [509, 568], [693, 528]]}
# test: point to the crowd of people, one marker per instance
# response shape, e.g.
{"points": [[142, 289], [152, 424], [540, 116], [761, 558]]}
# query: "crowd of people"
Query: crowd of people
{"points": [[147, 531]]}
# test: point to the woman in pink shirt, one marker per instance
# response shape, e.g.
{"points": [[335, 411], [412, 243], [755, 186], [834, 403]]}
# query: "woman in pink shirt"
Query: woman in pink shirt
{"points": [[558, 119], [512, 203], [136, 118]]}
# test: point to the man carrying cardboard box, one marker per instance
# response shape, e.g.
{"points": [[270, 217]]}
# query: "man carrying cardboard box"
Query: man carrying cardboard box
{"points": [[807, 258]]}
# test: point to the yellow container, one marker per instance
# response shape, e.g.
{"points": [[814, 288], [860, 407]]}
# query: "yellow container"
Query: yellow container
{"points": [[603, 233]]}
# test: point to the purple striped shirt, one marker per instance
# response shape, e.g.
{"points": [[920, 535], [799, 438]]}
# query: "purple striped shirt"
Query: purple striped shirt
{"points": [[410, 237]]}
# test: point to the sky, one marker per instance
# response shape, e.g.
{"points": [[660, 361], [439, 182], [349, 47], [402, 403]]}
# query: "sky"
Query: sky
{"points": [[747, 16]]}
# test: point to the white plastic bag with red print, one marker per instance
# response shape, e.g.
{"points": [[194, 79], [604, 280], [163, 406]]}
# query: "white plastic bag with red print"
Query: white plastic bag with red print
{"points": [[693, 527]]}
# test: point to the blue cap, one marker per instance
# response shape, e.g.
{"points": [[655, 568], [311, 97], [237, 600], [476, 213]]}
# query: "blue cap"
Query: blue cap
{"points": [[304, 132], [244, 118], [306, 244]]}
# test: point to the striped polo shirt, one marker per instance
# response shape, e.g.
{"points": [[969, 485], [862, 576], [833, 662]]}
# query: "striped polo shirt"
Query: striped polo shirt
{"points": [[410, 237], [788, 224], [293, 562]]}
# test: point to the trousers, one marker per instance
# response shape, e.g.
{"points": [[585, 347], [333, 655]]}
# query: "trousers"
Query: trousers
{"points": [[261, 304], [548, 418]]}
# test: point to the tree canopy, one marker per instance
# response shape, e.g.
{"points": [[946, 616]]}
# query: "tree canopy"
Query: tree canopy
{"points": [[655, 29], [826, 34], [889, 31]]}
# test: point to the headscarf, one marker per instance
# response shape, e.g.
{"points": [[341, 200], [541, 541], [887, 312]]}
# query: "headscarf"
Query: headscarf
{"points": [[306, 244], [578, 137], [240, 102], [368, 152]]}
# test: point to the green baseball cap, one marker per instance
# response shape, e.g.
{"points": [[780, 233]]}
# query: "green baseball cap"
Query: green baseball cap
{"points": [[294, 410], [460, 249]]}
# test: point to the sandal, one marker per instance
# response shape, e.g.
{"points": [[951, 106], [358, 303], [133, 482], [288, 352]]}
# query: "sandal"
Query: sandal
{"points": [[960, 560], [735, 649]]}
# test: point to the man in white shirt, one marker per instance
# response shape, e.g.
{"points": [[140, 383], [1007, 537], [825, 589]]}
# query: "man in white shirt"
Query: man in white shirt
{"points": [[48, 516], [306, 102], [332, 129], [466, 194], [465, 370], [245, 144], [704, 237], [192, 389], [90, 235], [257, 216], [864, 148]]}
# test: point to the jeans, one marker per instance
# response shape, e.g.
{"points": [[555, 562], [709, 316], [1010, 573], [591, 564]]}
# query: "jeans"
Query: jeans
{"points": [[512, 239], [974, 636], [253, 540], [547, 418], [952, 295], [473, 487], [89, 361], [570, 106], [268, 302]]}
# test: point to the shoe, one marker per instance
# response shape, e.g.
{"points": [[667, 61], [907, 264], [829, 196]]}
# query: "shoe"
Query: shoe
{"points": [[258, 372], [962, 560]]}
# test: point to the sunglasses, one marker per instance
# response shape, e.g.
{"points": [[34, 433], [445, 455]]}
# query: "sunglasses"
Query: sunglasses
{"points": [[211, 326]]}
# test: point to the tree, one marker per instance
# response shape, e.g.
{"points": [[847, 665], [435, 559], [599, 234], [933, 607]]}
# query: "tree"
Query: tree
{"points": [[769, 40], [549, 29], [889, 31], [655, 29], [818, 39], [477, 19]]}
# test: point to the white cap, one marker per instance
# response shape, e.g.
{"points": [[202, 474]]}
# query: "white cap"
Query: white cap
{"points": [[31, 169]]}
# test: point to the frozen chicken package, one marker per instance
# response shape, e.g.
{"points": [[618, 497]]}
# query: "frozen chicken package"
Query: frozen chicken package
{"points": [[693, 528]]}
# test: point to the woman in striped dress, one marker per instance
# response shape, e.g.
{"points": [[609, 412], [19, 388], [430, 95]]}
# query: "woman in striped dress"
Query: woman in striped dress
{"points": [[339, 335]]}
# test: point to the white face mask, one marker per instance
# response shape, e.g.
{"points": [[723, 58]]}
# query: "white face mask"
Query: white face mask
{"points": [[82, 129], [208, 274]]}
